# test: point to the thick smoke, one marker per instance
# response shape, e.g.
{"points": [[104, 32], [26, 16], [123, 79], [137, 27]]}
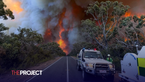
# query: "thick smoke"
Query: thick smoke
{"points": [[36, 13], [41, 15], [39, 11], [138, 7]]}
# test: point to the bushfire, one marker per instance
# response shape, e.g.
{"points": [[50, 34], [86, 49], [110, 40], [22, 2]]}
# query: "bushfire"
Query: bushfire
{"points": [[68, 16], [70, 13], [61, 41]]}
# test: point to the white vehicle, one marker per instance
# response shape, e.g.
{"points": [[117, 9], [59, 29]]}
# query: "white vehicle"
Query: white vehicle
{"points": [[133, 67], [92, 62]]}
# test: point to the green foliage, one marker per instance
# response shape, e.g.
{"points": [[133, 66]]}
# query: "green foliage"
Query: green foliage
{"points": [[89, 30], [5, 13], [54, 48], [108, 29], [104, 25], [109, 25], [19, 51], [111, 31], [132, 31], [116, 62], [29, 36], [78, 46], [2, 28], [102, 8]]}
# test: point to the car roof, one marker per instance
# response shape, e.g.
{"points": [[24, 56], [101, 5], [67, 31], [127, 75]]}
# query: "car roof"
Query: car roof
{"points": [[91, 50]]}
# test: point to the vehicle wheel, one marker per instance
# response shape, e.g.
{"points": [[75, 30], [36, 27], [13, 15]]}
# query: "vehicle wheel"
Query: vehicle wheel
{"points": [[111, 78], [84, 75], [78, 68]]}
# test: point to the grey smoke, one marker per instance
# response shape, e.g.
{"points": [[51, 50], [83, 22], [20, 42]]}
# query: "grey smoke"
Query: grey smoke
{"points": [[40, 15], [43, 14]]}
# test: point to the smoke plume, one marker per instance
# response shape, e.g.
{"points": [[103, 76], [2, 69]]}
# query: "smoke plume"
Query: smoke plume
{"points": [[56, 20]]}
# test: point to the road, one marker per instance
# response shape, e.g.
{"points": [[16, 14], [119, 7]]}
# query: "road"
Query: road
{"points": [[63, 70]]}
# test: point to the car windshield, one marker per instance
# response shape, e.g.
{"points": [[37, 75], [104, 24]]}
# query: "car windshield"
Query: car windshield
{"points": [[92, 55]]}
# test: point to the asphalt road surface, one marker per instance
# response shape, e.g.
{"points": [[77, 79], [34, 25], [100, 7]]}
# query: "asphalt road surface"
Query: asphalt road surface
{"points": [[63, 70]]}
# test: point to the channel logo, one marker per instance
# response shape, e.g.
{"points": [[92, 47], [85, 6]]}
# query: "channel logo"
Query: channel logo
{"points": [[26, 72]]}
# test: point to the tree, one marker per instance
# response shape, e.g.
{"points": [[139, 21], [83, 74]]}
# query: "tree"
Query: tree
{"points": [[29, 36], [28, 40], [80, 45], [22, 49], [132, 30], [53, 47], [103, 25], [4, 14], [12, 47]]}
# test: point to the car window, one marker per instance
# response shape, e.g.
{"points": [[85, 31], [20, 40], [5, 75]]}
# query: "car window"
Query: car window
{"points": [[92, 55]]}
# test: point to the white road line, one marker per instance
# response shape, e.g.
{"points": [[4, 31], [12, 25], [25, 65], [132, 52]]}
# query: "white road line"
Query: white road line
{"points": [[44, 69], [73, 58], [67, 71]]}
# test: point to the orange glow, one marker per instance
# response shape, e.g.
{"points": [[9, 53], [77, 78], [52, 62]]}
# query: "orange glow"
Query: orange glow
{"points": [[48, 35], [13, 5], [48, 32], [125, 39], [127, 14], [77, 11], [71, 15], [62, 45], [62, 42]]}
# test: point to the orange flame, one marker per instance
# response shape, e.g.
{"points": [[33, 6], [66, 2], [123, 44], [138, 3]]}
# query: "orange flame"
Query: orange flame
{"points": [[129, 13], [125, 39], [13, 5], [61, 41]]}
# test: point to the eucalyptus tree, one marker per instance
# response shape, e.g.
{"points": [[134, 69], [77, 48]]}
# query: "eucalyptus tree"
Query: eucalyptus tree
{"points": [[132, 31], [4, 14], [104, 22]]}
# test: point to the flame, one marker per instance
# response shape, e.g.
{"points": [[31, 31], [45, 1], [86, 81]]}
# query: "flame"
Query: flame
{"points": [[78, 13], [129, 13], [14, 5], [125, 39], [61, 41], [71, 15]]}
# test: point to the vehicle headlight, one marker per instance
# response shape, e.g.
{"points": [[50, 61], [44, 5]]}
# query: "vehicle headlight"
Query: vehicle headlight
{"points": [[89, 65], [111, 66]]}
